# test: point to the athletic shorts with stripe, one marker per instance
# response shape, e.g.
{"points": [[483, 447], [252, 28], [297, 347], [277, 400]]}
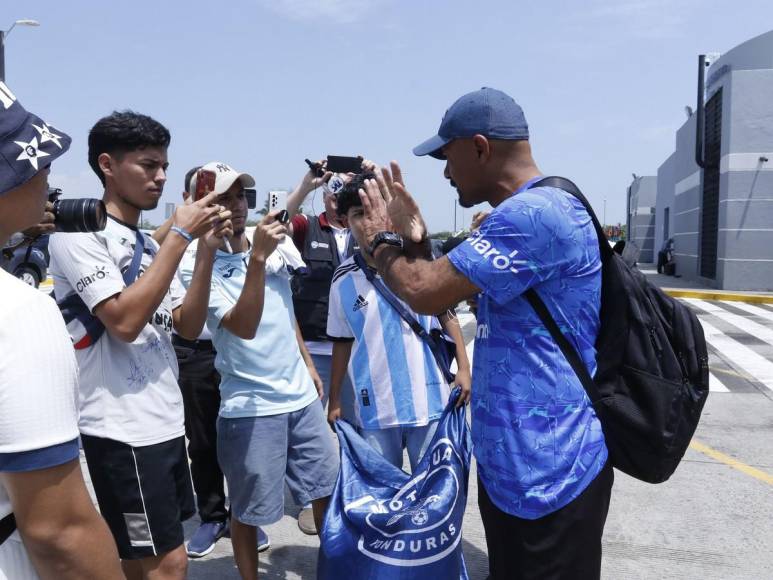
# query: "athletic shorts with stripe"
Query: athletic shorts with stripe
{"points": [[144, 493]]}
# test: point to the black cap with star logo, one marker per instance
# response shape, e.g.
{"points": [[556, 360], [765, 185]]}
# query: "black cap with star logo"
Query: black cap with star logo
{"points": [[27, 143]]}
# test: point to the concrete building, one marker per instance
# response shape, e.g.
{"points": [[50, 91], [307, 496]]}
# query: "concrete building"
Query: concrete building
{"points": [[641, 216], [721, 215]]}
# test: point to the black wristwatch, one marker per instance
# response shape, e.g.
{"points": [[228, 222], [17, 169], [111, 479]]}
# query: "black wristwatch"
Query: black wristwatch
{"points": [[389, 238]]}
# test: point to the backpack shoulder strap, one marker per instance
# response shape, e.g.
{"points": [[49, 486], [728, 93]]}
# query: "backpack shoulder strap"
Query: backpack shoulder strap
{"points": [[569, 352], [134, 267], [569, 187], [7, 527]]}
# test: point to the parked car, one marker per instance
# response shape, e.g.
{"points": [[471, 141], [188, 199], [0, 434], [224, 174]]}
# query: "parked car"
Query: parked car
{"points": [[25, 259]]}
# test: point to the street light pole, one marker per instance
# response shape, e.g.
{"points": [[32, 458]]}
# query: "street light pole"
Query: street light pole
{"points": [[2, 55], [4, 34], [605, 212]]}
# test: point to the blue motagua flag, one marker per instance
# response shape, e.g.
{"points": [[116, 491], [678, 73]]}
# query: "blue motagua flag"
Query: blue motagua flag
{"points": [[385, 524]]}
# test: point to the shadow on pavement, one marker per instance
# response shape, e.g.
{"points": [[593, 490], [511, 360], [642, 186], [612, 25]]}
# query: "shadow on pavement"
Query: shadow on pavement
{"points": [[476, 561]]}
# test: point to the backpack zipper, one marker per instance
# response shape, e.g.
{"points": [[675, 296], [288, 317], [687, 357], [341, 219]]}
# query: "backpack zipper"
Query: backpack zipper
{"points": [[654, 340], [683, 365]]}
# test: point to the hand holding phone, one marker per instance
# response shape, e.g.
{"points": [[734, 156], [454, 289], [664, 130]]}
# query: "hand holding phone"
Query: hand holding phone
{"points": [[277, 201], [205, 182]]}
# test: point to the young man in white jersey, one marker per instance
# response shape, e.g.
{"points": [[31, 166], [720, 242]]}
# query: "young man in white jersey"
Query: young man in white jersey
{"points": [[48, 525], [399, 388], [119, 280]]}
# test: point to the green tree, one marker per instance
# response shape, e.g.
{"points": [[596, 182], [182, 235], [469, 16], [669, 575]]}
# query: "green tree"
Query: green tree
{"points": [[146, 224]]}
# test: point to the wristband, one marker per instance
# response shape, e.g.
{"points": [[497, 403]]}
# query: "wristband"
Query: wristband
{"points": [[182, 232]]}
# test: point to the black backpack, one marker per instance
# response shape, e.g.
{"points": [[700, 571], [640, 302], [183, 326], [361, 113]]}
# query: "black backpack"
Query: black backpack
{"points": [[652, 376]]}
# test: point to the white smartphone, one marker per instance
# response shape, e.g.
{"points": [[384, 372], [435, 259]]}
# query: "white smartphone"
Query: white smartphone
{"points": [[277, 200]]}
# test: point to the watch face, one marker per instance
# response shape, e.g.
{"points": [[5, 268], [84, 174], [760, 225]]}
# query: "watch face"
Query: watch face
{"points": [[389, 238]]}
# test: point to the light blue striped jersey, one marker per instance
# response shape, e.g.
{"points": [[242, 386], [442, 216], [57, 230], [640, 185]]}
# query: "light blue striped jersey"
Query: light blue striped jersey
{"points": [[394, 374]]}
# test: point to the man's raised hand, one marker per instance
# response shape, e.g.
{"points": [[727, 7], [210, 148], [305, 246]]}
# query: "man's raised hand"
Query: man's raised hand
{"points": [[199, 217], [401, 207], [268, 234]]}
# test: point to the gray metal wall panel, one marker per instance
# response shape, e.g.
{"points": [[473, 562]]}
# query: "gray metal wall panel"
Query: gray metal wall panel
{"points": [[756, 53], [750, 118], [664, 198], [753, 276]]}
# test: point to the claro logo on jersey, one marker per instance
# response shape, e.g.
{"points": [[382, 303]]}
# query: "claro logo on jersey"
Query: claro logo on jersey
{"points": [[421, 524], [98, 274], [499, 260]]}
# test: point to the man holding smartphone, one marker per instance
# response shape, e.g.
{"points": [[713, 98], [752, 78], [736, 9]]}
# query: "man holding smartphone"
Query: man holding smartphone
{"points": [[131, 409], [271, 427], [200, 386]]}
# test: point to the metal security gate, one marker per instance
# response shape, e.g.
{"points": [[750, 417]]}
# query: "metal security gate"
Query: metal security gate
{"points": [[710, 200]]}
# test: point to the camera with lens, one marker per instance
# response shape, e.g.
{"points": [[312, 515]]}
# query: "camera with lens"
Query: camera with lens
{"points": [[77, 215]]}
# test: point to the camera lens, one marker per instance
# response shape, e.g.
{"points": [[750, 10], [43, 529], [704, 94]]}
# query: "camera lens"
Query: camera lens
{"points": [[79, 215]]}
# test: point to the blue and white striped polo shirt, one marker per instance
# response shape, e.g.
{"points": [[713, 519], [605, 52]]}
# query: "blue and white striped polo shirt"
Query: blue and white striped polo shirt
{"points": [[394, 374]]}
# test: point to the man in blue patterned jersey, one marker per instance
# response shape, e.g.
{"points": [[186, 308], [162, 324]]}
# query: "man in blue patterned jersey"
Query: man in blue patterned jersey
{"points": [[545, 482]]}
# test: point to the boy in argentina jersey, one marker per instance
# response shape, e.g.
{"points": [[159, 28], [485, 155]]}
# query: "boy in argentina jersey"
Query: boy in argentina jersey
{"points": [[399, 389], [545, 482]]}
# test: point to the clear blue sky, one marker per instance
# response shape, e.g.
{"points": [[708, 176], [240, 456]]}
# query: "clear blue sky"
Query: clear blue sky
{"points": [[262, 84]]}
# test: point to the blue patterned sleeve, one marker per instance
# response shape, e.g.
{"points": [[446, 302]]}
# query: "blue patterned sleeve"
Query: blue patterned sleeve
{"points": [[527, 239]]}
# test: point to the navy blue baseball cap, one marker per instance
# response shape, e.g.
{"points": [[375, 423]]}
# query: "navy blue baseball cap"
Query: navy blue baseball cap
{"points": [[486, 112], [27, 143]]}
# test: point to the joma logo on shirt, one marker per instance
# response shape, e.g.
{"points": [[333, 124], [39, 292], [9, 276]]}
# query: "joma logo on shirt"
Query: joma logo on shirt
{"points": [[498, 259]]}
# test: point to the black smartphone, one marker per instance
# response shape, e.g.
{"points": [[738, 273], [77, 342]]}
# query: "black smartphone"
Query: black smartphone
{"points": [[252, 198], [342, 164]]}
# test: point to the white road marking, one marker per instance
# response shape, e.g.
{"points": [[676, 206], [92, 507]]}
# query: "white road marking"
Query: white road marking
{"points": [[744, 358], [715, 385], [752, 309], [744, 323]]}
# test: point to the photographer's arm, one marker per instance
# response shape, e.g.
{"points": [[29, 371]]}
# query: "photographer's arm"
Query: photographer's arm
{"points": [[308, 184], [54, 513]]}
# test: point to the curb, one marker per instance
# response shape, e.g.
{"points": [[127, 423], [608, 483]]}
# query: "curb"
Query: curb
{"points": [[719, 295]]}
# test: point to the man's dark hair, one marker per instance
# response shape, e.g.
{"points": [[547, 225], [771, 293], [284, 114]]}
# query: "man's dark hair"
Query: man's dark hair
{"points": [[189, 176], [349, 196], [121, 132]]}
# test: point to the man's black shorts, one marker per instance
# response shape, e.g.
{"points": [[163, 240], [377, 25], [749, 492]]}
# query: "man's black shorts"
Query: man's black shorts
{"points": [[563, 545], [144, 493]]}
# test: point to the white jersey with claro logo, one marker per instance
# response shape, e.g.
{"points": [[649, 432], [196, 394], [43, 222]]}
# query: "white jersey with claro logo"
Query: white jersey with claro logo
{"points": [[128, 391]]}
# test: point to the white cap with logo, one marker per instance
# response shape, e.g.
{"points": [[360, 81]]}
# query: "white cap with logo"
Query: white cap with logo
{"points": [[225, 176]]}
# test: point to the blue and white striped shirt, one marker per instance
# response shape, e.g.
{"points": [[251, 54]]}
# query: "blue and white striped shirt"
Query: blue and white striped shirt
{"points": [[395, 377]]}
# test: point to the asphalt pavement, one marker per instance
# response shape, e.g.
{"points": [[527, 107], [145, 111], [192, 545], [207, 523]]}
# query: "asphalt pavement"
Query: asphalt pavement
{"points": [[712, 520]]}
